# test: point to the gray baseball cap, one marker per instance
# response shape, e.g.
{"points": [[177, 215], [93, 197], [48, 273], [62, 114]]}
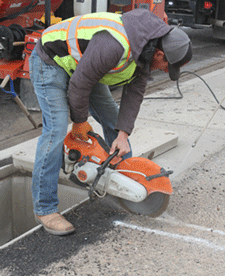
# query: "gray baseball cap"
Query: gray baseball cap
{"points": [[177, 48]]}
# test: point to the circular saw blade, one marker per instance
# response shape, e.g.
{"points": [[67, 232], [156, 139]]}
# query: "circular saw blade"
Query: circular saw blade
{"points": [[153, 206]]}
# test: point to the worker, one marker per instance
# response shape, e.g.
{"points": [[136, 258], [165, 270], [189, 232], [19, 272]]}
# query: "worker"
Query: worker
{"points": [[71, 67]]}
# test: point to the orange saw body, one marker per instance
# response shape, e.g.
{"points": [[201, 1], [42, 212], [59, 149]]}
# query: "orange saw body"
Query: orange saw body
{"points": [[148, 169], [140, 185]]}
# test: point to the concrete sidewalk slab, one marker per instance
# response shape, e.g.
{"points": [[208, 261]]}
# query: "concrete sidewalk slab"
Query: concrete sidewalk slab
{"points": [[187, 117]]}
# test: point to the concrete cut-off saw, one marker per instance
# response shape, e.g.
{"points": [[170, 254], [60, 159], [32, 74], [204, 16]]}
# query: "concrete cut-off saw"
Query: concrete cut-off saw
{"points": [[141, 186]]}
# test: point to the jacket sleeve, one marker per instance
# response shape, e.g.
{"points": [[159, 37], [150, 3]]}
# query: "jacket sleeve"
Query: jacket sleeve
{"points": [[101, 55], [131, 100]]}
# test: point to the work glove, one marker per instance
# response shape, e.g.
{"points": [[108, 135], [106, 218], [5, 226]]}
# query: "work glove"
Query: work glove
{"points": [[80, 130]]}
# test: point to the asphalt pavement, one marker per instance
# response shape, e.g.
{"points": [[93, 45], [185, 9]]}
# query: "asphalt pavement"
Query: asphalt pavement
{"points": [[188, 239]]}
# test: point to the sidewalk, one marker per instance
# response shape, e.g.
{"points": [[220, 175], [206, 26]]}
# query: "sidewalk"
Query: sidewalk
{"points": [[177, 122], [187, 118]]}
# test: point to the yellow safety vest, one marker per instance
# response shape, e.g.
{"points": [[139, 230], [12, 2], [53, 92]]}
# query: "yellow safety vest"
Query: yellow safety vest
{"points": [[84, 27]]}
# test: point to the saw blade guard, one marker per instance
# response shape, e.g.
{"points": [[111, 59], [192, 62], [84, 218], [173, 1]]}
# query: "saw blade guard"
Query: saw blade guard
{"points": [[149, 174]]}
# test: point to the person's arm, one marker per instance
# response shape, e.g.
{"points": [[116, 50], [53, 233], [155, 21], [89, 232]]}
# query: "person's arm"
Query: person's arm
{"points": [[130, 104], [131, 100]]}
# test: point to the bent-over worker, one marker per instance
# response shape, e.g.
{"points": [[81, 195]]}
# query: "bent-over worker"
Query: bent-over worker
{"points": [[71, 67]]}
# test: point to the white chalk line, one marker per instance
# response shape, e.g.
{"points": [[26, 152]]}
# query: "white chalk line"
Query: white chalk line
{"points": [[197, 227], [188, 239]]}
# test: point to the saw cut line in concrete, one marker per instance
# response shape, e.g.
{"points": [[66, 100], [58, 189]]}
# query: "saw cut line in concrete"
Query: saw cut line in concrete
{"points": [[184, 238], [188, 225]]}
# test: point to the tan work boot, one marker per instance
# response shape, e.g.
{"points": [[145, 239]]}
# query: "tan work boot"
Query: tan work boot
{"points": [[55, 224]]}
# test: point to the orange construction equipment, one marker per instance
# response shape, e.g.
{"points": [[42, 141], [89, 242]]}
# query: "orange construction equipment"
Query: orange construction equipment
{"points": [[18, 20], [155, 6]]}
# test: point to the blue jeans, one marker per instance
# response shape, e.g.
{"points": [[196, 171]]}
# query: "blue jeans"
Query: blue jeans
{"points": [[51, 85]]}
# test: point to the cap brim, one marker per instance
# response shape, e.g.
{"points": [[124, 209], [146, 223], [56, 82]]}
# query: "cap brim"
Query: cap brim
{"points": [[174, 72]]}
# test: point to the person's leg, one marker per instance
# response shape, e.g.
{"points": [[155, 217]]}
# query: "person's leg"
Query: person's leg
{"points": [[50, 84], [105, 111]]}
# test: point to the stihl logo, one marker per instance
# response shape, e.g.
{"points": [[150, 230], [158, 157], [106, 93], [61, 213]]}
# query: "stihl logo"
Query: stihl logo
{"points": [[82, 175], [66, 149]]}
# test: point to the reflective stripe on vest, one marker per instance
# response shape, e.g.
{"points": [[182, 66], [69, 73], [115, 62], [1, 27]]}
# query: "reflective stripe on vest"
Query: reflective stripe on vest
{"points": [[84, 27]]}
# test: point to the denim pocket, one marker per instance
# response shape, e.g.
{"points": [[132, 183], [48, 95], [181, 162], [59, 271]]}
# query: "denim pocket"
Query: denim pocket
{"points": [[55, 75], [49, 73]]}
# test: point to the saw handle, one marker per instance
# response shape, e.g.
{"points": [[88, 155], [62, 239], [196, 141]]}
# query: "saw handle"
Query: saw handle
{"points": [[100, 140], [107, 161], [101, 171]]}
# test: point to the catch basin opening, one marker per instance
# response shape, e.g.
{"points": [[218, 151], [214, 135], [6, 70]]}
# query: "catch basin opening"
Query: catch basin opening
{"points": [[16, 212]]}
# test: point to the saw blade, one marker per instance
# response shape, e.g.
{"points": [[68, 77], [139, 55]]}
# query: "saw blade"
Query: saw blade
{"points": [[153, 206]]}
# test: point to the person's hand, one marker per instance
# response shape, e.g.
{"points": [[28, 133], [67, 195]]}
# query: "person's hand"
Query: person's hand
{"points": [[80, 130], [159, 61], [120, 143]]}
